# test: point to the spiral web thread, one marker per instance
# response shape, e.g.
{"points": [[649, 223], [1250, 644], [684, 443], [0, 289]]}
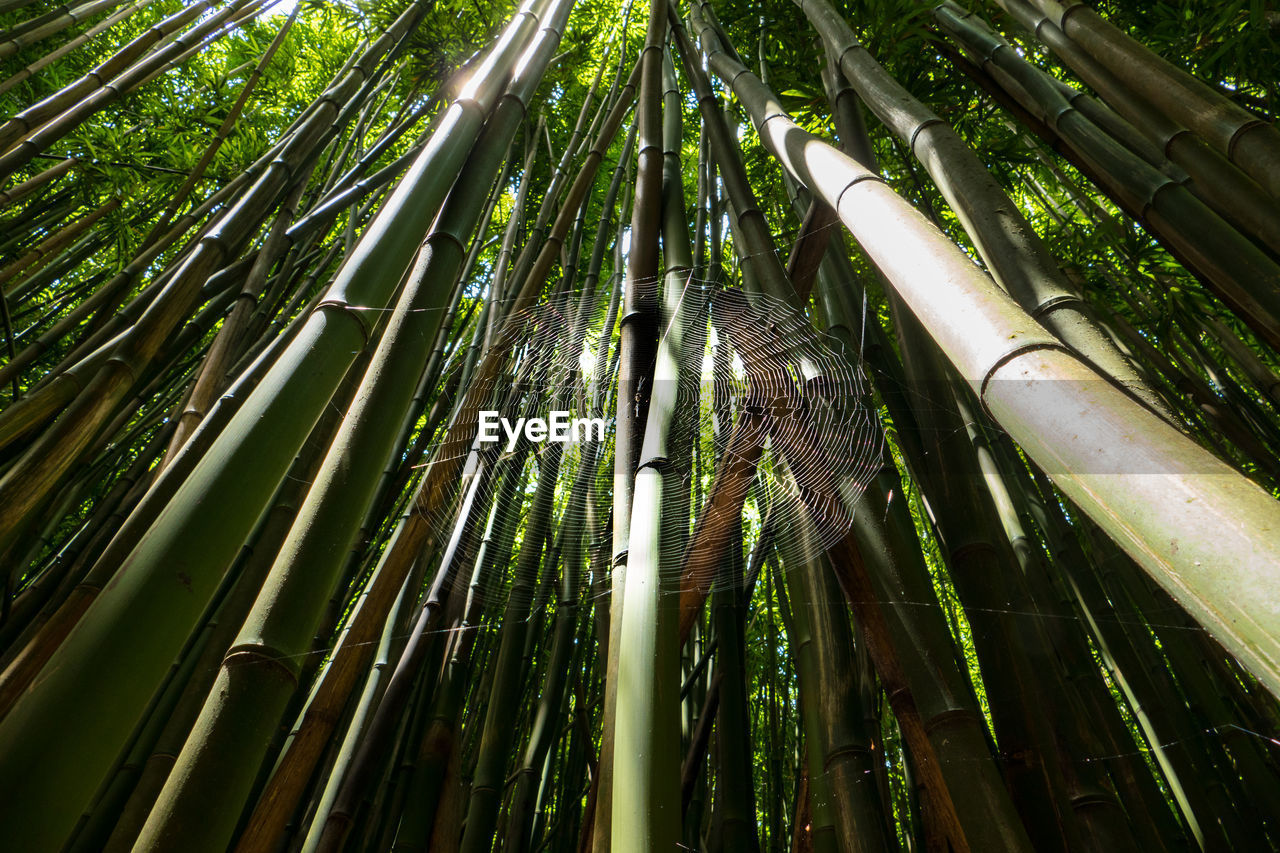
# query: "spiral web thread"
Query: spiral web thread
{"points": [[759, 384]]}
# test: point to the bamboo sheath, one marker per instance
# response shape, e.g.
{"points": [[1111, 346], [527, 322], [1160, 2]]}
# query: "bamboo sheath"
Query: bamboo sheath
{"points": [[1200, 529]]}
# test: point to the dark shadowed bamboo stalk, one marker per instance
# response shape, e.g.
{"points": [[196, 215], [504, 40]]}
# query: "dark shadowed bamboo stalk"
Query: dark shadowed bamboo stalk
{"points": [[1233, 194], [197, 171], [228, 346], [1241, 273], [47, 249], [573, 551], [42, 467], [34, 116], [64, 49], [32, 132]]}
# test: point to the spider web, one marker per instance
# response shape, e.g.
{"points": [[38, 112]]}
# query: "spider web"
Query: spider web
{"points": [[774, 433]]}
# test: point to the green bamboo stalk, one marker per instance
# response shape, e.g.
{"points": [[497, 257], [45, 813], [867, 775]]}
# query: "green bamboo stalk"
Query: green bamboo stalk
{"points": [[1006, 355], [1250, 143], [1017, 258], [509, 673], [1240, 272], [644, 785], [28, 657], [285, 616], [324, 346]]}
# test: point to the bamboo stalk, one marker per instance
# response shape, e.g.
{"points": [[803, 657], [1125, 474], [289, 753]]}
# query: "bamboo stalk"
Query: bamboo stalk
{"points": [[1081, 429], [1249, 142], [324, 346]]}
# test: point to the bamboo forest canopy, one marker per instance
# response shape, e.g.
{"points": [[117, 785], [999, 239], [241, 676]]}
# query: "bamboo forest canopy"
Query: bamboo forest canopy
{"points": [[590, 425]]}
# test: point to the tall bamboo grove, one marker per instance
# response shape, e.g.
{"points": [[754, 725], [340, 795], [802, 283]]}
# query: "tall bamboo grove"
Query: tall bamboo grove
{"points": [[639, 425]]}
